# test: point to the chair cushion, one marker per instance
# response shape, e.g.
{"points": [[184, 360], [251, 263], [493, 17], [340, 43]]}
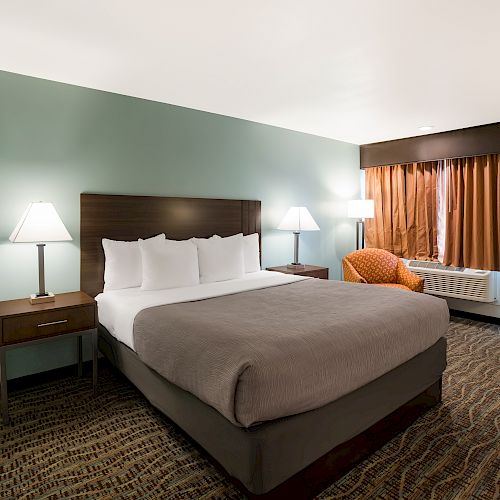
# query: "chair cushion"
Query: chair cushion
{"points": [[375, 265], [393, 285]]}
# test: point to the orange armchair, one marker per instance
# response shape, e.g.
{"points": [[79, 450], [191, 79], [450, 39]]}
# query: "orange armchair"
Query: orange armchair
{"points": [[379, 267]]}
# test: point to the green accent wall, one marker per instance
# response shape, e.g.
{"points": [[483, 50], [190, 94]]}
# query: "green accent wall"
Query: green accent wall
{"points": [[58, 140]]}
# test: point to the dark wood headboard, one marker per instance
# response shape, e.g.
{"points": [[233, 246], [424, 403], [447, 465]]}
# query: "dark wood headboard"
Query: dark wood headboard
{"points": [[127, 218]]}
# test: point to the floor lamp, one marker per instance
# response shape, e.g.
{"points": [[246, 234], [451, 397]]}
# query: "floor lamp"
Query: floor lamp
{"points": [[360, 210]]}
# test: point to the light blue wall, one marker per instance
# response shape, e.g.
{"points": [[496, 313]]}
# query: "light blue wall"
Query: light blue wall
{"points": [[57, 141]]}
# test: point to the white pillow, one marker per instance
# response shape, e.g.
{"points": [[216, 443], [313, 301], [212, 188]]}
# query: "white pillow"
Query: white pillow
{"points": [[221, 259], [195, 240], [251, 253], [123, 268], [169, 264]]}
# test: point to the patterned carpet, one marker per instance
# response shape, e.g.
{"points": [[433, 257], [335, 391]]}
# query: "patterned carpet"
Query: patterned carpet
{"points": [[64, 443]]}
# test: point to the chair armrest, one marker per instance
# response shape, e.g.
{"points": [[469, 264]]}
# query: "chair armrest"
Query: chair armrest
{"points": [[350, 274], [409, 279]]}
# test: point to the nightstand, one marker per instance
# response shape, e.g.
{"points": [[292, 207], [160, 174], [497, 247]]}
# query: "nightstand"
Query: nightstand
{"points": [[313, 271], [71, 315]]}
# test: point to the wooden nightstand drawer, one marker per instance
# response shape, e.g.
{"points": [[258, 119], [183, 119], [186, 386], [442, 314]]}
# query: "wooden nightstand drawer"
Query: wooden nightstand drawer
{"points": [[44, 324]]}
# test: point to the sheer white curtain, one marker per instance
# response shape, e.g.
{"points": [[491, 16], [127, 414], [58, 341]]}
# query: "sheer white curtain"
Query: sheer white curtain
{"points": [[441, 208]]}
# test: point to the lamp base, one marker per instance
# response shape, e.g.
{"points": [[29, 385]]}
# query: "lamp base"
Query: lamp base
{"points": [[40, 299], [296, 266]]}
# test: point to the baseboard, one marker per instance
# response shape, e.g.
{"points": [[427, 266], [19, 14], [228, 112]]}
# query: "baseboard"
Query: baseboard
{"points": [[35, 379], [486, 309], [477, 317]]}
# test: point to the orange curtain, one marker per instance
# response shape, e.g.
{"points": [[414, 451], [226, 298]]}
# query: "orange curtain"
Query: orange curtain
{"points": [[405, 222], [473, 212]]}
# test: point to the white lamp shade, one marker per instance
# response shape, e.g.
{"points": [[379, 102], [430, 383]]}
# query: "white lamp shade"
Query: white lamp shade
{"points": [[40, 223], [298, 219], [361, 209]]}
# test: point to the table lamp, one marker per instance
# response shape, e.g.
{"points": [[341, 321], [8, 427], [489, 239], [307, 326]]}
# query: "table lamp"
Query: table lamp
{"points": [[297, 219], [39, 224], [361, 210]]}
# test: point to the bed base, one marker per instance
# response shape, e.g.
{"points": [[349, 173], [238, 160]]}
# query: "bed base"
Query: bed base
{"points": [[297, 456], [316, 477]]}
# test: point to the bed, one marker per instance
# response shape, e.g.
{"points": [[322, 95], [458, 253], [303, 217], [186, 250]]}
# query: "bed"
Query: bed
{"points": [[264, 393]]}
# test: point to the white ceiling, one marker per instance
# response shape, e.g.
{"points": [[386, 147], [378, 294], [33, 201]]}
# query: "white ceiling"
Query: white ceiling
{"points": [[359, 71]]}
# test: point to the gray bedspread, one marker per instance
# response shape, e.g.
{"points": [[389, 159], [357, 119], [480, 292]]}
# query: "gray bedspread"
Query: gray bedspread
{"points": [[273, 352]]}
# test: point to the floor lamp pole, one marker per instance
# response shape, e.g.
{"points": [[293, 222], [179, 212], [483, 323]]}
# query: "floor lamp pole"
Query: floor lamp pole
{"points": [[360, 228]]}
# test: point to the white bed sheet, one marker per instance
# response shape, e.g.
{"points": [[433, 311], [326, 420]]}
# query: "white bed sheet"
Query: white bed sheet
{"points": [[118, 308]]}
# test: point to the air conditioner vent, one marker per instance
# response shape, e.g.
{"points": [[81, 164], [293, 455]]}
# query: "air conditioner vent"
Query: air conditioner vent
{"points": [[457, 282], [435, 265]]}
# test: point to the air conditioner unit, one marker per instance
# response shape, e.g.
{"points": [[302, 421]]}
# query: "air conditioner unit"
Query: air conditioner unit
{"points": [[457, 282]]}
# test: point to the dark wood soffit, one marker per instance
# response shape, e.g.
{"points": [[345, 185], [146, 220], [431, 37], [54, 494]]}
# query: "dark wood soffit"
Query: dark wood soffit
{"points": [[473, 141]]}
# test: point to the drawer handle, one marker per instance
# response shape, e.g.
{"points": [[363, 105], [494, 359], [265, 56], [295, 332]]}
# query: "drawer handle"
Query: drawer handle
{"points": [[53, 323]]}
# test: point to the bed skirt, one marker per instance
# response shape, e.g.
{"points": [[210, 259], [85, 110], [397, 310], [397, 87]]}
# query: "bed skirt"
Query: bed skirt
{"points": [[266, 455]]}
